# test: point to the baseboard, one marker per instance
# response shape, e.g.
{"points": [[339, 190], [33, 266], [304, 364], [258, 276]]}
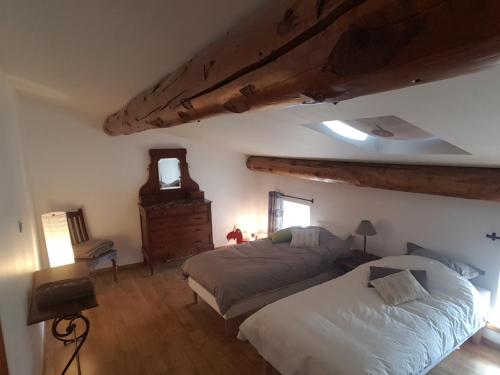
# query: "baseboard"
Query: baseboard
{"points": [[122, 267], [171, 263], [493, 327], [491, 343]]}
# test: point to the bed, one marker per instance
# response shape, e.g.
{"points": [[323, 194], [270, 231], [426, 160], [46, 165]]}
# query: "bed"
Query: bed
{"points": [[343, 327], [238, 280]]}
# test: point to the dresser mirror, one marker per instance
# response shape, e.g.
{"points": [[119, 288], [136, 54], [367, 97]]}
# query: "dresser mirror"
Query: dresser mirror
{"points": [[169, 173], [169, 178]]}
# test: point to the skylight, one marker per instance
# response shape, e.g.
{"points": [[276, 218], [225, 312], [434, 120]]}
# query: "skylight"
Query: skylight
{"points": [[345, 130], [386, 134]]}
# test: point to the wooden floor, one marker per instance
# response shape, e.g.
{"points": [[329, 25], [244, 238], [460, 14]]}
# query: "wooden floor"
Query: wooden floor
{"points": [[149, 325]]}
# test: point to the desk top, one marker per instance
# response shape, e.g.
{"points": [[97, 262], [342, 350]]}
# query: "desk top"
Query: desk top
{"points": [[68, 272]]}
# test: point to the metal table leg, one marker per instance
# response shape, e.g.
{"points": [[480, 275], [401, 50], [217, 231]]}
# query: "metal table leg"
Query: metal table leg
{"points": [[69, 335]]}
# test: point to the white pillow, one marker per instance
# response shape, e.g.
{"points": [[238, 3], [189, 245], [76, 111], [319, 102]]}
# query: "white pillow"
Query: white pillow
{"points": [[399, 288], [308, 237]]}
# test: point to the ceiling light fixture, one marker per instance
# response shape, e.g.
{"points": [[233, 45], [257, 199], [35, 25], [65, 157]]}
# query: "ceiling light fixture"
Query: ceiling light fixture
{"points": [[345, 130]]}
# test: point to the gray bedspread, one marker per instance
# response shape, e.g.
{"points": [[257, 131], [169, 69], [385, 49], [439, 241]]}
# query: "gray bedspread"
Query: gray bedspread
{"points": [[238, 272]]}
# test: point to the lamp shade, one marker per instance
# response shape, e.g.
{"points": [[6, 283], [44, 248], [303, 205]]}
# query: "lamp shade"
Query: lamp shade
{"points": [[57, 239], [366, 228]]}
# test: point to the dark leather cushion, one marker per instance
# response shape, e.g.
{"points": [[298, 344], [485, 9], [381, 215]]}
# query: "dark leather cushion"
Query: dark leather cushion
{"points": [[91, 248], [63, 291], [379, 272]]}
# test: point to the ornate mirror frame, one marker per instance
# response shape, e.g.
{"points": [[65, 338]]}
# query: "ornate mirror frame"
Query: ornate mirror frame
{"points": [[151, 194]]}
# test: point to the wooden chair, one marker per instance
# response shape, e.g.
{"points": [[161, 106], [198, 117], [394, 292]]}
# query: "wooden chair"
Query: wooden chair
{"points": [[87, 250]]}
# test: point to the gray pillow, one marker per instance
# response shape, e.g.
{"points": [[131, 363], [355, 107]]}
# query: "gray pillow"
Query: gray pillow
{"points": [[333, 244], [463, 269], [379, 272], [399, 288]]}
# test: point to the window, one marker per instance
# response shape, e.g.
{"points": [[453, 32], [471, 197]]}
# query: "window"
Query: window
{"points": [[286, 211], [295, 214]]}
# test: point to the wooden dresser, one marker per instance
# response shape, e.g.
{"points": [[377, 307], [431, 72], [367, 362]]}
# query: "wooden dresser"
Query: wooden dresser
{"points": [[175, 222]]}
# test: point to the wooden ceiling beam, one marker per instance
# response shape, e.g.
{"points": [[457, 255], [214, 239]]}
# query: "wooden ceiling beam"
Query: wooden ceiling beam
{"points": [[459, 182], [303, 51]]}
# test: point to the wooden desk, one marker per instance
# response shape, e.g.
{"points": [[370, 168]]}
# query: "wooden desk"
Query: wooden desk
{"points": [[68, 313]]}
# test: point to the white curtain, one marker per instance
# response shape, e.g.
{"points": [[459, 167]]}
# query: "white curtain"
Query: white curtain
{"points": [[275, 217]]}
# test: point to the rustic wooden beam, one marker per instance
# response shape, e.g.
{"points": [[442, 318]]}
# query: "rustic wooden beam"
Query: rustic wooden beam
{"points": [[302, 51], [460, 182]]}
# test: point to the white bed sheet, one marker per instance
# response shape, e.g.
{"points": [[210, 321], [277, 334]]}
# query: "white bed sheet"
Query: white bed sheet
{"points": [[343, 327]]}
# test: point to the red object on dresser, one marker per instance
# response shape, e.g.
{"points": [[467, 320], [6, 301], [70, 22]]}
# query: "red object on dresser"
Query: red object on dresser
{"points": [[236, 234]]}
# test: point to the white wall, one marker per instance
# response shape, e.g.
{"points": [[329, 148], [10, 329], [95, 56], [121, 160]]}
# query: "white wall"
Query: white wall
{"points": [[454, 226], [72, 163], [18, 252]]}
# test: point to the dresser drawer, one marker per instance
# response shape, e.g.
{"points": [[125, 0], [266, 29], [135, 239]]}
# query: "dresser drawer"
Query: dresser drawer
{"points": [[201, 208], [180, 232], [165, 212], [186, 236], [185, 242], [177, 210], [177, 221], [175, 249]]}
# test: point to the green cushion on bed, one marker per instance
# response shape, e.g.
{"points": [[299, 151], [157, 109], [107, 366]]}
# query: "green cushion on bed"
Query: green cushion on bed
{"points": [[283, 235]]}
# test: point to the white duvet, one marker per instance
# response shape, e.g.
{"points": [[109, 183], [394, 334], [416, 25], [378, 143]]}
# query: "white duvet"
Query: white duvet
{"points": [[342, 327]]}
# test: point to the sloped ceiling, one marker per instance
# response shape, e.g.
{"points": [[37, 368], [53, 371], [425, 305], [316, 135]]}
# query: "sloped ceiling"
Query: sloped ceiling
{"points": [[99, 53], [95, 55]]}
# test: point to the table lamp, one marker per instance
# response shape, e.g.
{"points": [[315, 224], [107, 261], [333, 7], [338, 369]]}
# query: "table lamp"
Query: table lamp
{"points": [[365, 228], [57, 239]]}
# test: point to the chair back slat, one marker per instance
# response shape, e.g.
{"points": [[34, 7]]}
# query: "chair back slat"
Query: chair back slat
{"points": [[77, 227], [83, 227], [72, 230]]}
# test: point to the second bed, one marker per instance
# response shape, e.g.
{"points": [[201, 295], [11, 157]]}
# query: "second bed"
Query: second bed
{"points": [[237, 280]]}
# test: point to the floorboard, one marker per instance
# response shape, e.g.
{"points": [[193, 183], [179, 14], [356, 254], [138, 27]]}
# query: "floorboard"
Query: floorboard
{"points": [[149, 325]]}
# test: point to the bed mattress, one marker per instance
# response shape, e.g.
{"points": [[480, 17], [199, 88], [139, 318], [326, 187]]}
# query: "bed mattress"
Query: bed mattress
{"points": [[342, 327]]}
